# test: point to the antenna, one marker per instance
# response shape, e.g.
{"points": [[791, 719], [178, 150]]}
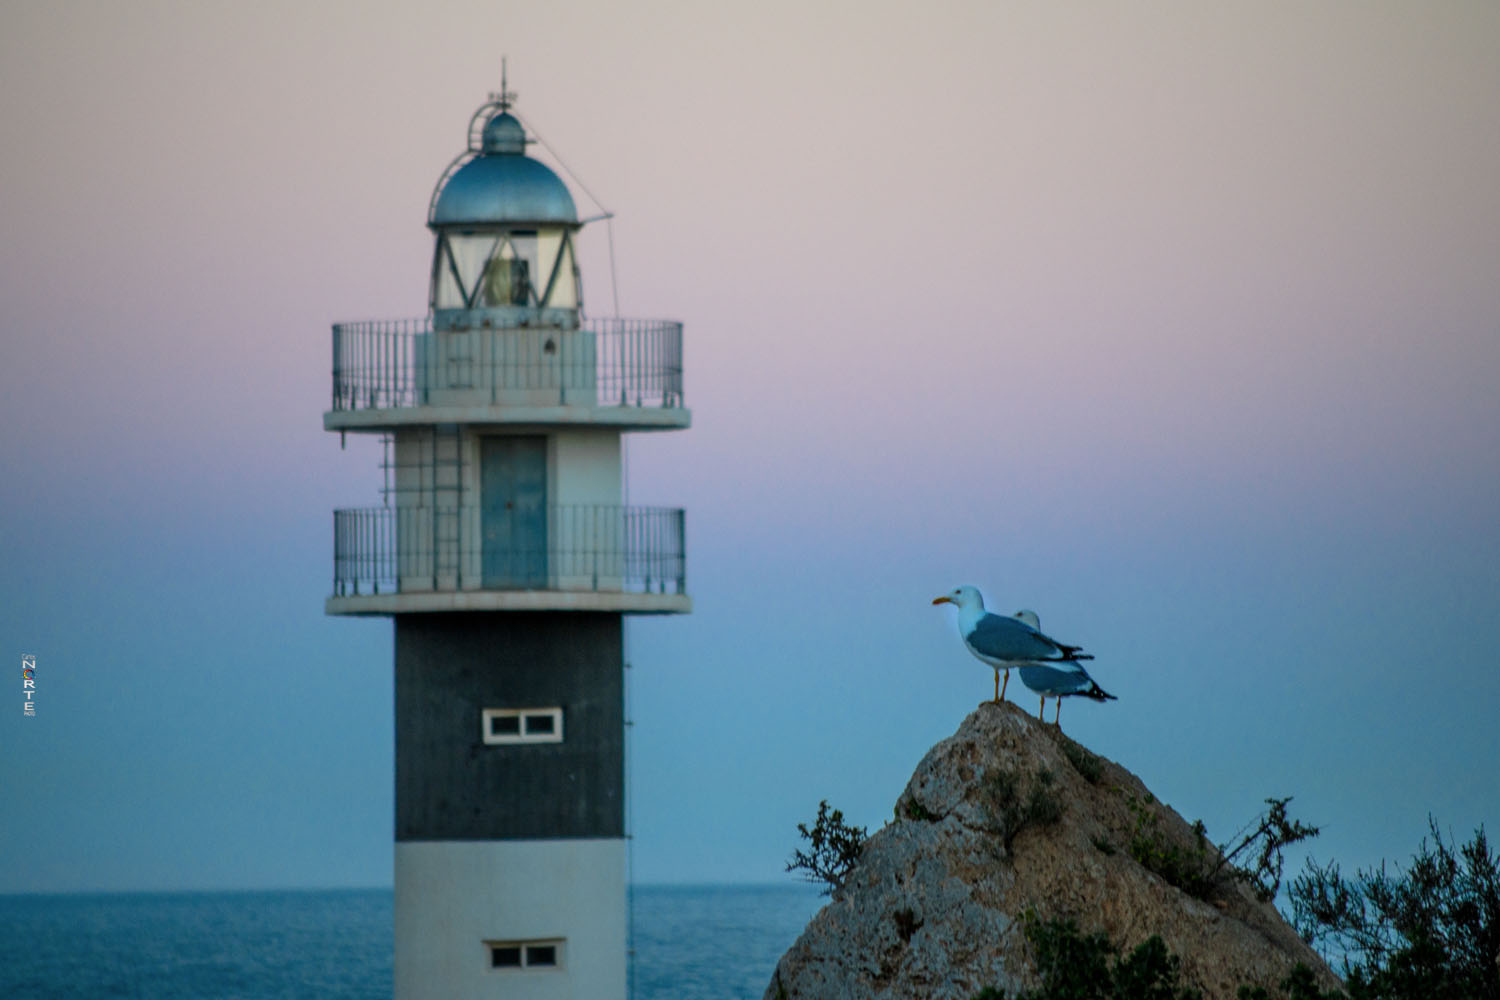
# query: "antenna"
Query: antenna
{"points": [[506, 97]]}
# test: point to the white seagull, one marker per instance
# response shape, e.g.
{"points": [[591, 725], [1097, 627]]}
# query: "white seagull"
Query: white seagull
{"points": [[1064, 680], [1003, 642]]}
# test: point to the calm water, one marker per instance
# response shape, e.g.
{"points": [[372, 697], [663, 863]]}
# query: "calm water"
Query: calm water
{"points": [[692, 943]]}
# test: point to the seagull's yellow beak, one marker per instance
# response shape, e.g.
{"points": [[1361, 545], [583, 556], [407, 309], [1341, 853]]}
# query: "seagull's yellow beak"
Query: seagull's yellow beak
{"points": [[945, 599]]}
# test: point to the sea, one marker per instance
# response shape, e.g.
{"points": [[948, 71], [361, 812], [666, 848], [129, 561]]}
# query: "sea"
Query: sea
{"points": [[689, 943]]}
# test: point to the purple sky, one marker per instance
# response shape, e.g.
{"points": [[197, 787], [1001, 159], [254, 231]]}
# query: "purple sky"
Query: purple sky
{"points": [[1179, 324]]}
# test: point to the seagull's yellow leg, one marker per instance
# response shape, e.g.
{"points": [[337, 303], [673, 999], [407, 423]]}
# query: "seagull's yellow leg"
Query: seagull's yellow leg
{"points": [[997, 687], [1040, 711], [1002, 686], [1057, 719]]}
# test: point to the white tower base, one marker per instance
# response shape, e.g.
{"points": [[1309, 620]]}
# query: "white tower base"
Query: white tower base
{"points": [[458, 900]]}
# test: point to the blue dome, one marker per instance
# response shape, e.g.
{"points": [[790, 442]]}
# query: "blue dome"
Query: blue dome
{"points": [[503, 185], [504, 134]]}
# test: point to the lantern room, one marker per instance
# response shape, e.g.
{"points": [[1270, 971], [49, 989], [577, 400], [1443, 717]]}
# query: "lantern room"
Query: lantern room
{"points": [[504, 227]]}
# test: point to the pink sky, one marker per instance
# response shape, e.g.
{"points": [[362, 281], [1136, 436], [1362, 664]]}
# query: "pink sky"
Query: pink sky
{"points": [[1178, 323]]}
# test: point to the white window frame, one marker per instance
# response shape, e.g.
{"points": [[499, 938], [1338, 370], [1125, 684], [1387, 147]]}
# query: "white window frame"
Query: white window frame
{"points": [[556, 944], [523, 733]]}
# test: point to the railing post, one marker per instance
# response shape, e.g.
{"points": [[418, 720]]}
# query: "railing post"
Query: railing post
{"points": [[594, 546], [621, 340], [367, 554], [388, 358], [336, 367]]}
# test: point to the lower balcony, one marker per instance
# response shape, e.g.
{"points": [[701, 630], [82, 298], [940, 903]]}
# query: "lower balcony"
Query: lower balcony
{"points": [[579, 557]]}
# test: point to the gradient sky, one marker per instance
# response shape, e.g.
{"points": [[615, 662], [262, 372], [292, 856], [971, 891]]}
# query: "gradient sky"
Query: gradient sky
{"points": [[1176, 322]]}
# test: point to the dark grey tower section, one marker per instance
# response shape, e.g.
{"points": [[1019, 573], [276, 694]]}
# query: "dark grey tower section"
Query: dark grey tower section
{"points": [[450, 785]]}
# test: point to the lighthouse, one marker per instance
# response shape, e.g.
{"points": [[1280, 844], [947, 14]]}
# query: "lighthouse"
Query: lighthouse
{"points": [[504, 554]]}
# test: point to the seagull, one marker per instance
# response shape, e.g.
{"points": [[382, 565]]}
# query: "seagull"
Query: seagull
{"points": [[1056, 682], [1003, 642], [1064, 680]]}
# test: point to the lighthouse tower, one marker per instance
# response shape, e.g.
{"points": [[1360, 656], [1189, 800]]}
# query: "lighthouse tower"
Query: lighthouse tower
{"points": [[505, 556]]}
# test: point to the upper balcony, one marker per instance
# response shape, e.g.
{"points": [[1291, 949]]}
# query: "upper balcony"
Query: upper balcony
{"points": [[617, 372]]}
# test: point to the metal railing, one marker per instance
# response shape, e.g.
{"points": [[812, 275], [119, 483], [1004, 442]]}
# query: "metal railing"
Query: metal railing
{"points": [[588, 547], [404, 363]]}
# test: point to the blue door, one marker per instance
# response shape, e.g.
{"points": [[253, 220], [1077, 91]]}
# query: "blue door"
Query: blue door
{"points": [[513, 512]]}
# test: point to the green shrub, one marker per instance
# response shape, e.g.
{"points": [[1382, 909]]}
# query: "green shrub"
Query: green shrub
{"points": [[1300, 984], [917, 811], [1012, 812], [1430, 930], [1184, 867], [835, 849], [1267, 835], [1076, 966], [1199, 871], [1088, 766]]}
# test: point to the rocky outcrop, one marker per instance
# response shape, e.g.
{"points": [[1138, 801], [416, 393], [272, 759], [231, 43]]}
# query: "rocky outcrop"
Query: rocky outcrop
{"points": [[1010, 816]]}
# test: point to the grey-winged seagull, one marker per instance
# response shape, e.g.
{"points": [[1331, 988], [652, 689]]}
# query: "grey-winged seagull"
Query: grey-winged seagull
{"points": [[1064, 680], [1003, 642]]}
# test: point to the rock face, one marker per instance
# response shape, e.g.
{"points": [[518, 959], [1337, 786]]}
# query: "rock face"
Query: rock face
{"points": [[1007, 816]]}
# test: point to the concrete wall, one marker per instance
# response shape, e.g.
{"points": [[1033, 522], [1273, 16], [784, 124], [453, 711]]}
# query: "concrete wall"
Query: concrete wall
{"points": [[585, 466], [450, 785], [451, 897], [535, 366]]}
